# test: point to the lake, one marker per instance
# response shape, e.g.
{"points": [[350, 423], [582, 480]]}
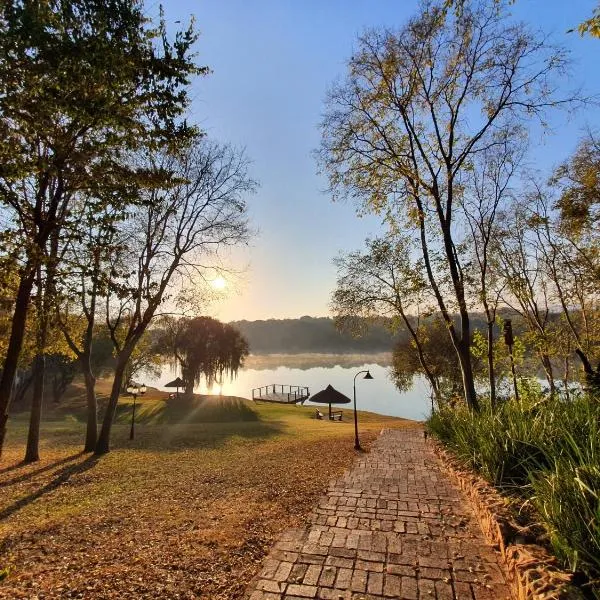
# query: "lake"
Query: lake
{"points": [[316, 371]]}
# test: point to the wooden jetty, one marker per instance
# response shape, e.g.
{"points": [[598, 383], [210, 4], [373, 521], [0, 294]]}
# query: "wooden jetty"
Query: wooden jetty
{"points": [[284, 394]]}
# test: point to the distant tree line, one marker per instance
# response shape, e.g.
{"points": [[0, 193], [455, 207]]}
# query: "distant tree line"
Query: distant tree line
{"points": [[311, 334], [325, 335]]}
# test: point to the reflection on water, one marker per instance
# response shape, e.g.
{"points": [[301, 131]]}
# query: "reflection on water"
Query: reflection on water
{"points": [[306, 360], [377, 395]]}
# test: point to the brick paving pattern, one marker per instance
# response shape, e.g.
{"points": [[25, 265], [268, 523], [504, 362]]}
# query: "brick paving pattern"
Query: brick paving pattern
{"points": [[394, 526]]}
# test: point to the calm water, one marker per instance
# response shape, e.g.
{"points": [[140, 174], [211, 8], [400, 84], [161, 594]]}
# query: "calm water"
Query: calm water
{"points": [[377, 395]]}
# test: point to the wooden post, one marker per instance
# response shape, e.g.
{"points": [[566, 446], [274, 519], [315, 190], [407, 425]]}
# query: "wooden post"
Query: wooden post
{"points": [[509, 341]]}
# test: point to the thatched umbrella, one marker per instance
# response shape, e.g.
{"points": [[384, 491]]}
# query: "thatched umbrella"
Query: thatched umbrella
{"points": [[176, 383], [330, 396]]}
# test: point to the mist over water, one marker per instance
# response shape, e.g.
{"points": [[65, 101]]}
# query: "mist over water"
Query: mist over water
{"points": [[316, 372]]}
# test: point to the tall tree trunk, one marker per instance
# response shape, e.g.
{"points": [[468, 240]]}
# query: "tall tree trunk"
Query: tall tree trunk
{"points": [[462, 344], [458, 343], [567, 374], [32, 453], [103, 443], [490, 360], [91, 432], [592, 376], [15, 344], [463, 349], [547, 364], [466, 368], [126, 378]]}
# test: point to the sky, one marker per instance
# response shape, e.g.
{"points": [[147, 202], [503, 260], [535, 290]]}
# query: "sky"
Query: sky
{"points": [[272, 62]]}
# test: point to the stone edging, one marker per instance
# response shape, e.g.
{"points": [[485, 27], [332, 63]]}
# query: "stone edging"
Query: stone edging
{"points": [[533, 573]]}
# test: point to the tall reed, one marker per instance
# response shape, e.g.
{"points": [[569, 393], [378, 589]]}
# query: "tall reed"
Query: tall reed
{"points": [[546, 450]]}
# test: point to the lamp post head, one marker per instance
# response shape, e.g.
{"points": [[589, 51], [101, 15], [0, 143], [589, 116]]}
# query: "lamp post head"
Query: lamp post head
{"points": [[142, 389], [368, 375], [133, 389]]}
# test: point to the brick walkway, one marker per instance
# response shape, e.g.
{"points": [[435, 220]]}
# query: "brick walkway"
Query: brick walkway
{"points": [[392, 527]]}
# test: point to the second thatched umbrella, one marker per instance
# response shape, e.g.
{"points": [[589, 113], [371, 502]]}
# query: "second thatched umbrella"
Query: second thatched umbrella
{"points": [[330, 396], [176, 383]]}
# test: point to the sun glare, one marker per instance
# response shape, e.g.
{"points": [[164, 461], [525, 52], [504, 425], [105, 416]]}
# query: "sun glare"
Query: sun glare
{"points": [[218, 283]]}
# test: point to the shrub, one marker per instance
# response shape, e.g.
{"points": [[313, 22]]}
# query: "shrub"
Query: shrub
{"points": [[545, 449], [568, 500]]}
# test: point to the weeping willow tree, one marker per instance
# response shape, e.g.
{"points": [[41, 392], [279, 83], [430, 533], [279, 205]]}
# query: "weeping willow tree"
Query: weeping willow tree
{"points": [[203, 347]]}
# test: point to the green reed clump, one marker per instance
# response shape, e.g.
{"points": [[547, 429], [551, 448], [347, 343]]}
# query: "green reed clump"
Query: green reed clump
{"points": [[567, 498], [547, 450]]}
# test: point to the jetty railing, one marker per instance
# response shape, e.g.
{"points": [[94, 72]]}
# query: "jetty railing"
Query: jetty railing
{"points": [[277, 392]]}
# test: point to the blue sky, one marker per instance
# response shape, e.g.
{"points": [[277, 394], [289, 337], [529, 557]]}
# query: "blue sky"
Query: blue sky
{"points": [[272, 62]]}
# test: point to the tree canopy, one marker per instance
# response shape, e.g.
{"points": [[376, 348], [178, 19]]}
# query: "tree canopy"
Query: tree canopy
{"points": [[418, 107], [203, 348]]}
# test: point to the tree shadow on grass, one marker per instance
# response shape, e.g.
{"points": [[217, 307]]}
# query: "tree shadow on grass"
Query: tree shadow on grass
{"points": [[202, 422], [59, 479], [11, 468], [36, 472], [193, 435]]}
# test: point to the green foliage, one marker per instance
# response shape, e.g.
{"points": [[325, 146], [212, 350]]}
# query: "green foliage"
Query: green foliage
{"points": [[568, 498], [579, 183], [479, 345], [546, 450], [438, 355], [82, 84]]}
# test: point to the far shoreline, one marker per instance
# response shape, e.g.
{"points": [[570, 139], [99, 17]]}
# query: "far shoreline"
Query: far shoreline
{"points": [[301, 360]]}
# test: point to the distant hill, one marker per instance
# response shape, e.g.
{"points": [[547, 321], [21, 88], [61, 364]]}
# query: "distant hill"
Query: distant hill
{"points": [[311, 334], [318, 334]]}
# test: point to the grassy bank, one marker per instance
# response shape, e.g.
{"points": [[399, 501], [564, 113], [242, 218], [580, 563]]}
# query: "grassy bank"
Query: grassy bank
{"points": [[546, 453], [188, 509]]}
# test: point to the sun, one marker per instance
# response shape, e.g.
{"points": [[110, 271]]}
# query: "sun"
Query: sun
{"points": [[218, 283]]}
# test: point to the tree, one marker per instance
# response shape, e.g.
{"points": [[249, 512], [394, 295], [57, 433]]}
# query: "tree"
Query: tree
{"points": [[82, 290], [416, 106], [563, 224], [527, 289], [172, 237], [486, 189], [384, 281], [203, 347], [63, 370], [82, 83], [435, 360], [591, 25]]}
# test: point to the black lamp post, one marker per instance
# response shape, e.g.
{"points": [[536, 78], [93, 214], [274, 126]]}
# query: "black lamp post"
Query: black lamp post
{"points": [[134, 390], [356, 442]]}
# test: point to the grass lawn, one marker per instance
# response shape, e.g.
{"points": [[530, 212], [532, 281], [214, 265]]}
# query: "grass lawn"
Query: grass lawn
{"points": [[186, 510]]}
